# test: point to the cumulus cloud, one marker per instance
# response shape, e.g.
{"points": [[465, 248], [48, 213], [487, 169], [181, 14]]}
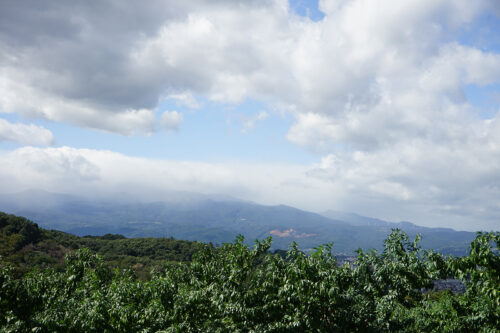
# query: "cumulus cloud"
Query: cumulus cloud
{"points": [[107, 67], [19, 97], [185, 99], [25, 134], [171, 120], [249, 124], [364, 61]]}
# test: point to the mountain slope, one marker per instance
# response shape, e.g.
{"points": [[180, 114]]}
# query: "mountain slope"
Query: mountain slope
{"points": [[204, 219], [26, 245]]}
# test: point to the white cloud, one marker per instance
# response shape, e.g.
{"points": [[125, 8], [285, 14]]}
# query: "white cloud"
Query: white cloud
{"points": [[25, 134], [413, 184], [361, 55], [62, 168], [171, 120], [185, 99], [99, 172], [249, 124], [19, 97]]}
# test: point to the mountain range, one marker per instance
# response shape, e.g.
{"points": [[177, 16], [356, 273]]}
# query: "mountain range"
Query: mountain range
{"points": [[218, 220]]}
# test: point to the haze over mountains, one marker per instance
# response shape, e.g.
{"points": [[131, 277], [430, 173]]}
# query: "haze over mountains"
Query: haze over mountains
{"points": [[219, 219]]}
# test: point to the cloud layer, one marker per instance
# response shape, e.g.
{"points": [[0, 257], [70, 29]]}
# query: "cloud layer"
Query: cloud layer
{"points": [[373, 69], [360, 185], [25, 134]]}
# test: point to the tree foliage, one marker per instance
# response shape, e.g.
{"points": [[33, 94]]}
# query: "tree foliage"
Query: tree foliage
{"points": [[26, 245]]}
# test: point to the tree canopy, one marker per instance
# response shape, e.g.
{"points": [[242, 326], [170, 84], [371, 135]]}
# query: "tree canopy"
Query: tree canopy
{"points": [[235, 287]]}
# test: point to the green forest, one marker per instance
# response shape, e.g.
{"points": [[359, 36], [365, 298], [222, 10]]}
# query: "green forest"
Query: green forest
{"points": [[25, 245], [55, 282]]}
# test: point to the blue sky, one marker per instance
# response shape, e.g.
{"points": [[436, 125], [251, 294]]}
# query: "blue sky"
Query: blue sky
{"points": [[215, 132], [483, 34], [307, 8], [387, 110]]}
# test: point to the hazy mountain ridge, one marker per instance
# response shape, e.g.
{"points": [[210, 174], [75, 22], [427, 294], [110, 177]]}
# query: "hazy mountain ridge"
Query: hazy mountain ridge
{"points": [[219, 220]]}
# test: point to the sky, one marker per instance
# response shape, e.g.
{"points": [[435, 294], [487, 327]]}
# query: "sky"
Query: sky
{"points": [[383, 108]]}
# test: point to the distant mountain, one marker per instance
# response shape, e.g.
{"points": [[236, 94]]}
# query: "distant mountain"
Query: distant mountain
{"points": [[218, 220], [356, 219], [447, 240]]}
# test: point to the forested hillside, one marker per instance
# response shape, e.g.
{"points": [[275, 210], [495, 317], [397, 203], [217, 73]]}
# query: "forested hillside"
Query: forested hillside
{"points": [[236, 288], [26, 245]]}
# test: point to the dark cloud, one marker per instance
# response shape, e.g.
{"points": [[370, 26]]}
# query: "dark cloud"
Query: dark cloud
{"points": [[83, 48]]}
